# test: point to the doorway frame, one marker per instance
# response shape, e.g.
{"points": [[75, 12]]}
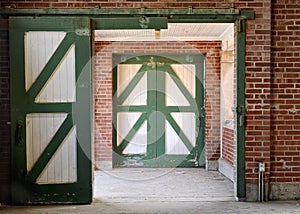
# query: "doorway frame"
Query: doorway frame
{"points": [[159, 18]]}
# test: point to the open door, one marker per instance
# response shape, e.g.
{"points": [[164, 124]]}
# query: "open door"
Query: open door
{"points": [[51, 110]]}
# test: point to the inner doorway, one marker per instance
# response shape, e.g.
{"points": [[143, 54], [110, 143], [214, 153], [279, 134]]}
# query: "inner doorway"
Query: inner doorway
{"points": [[158, 110], [135, 57]]}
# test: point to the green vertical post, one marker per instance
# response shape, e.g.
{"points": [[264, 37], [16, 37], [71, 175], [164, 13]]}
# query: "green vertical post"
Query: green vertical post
{"points": [[151, 112], [240, 108], [161, 109]]}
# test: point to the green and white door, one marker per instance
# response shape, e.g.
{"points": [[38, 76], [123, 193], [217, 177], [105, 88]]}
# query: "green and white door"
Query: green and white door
{"points": [[158, 110], [51, 110]]}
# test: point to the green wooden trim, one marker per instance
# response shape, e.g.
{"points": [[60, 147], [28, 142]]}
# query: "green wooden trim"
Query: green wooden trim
{"points": [[142, 22], [96, 12], [160, 79], [51, 148], [132, 132], [79, 25], [49, 108], [115, 152], [151, 111], [82, 110], [131, 108], [169, 109], [132, 85], [188, 15], [200, 95], [166, 58], [51, 66], [240, 105]]}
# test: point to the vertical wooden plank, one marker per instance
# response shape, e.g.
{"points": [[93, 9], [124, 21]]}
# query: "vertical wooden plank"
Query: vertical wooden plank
{"points": [[65, 161], [72, 158], [34, 54], [63, 79], [27, 65], [71, 82], [28, 141], [37, 136], [40, 51], [50, 131]]}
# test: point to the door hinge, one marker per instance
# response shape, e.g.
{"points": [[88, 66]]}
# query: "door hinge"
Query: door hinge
{"points": [[240, 112], [195, 160], [241, 26]]}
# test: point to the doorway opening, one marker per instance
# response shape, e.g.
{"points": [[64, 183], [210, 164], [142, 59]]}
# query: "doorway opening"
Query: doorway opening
{"points": [[138, 78]]}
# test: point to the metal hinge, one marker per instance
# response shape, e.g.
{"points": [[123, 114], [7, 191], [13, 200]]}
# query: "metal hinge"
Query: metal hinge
{"points": [[241, 26], [195, 160], [240, 111]]}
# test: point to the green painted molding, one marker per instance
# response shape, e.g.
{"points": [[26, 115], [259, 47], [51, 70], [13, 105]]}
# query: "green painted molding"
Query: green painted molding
{"points": [[207, 14]]}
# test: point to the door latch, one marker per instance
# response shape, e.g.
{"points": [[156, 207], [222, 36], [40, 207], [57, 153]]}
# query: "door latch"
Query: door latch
{"points": [[20, 137]]}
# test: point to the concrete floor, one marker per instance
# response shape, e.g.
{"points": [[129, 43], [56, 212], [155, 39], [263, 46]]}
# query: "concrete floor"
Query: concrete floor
{"points": [[161, 191], [164, 185]]}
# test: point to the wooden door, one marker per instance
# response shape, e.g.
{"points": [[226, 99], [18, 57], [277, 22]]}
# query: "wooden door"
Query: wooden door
{"points": [[51, 110], [158, 110]]}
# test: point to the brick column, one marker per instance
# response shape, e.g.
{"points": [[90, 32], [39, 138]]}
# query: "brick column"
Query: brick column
{"points": [[258, 90], [5, 152]]}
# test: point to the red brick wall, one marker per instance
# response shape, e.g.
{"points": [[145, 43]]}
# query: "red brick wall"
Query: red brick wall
{"points": [[228, 145], [285, 102], [4, 113], [258, 78], [103, 88]]}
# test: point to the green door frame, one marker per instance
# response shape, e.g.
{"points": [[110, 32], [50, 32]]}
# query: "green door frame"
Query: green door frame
{"points": [[189, 15]]}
